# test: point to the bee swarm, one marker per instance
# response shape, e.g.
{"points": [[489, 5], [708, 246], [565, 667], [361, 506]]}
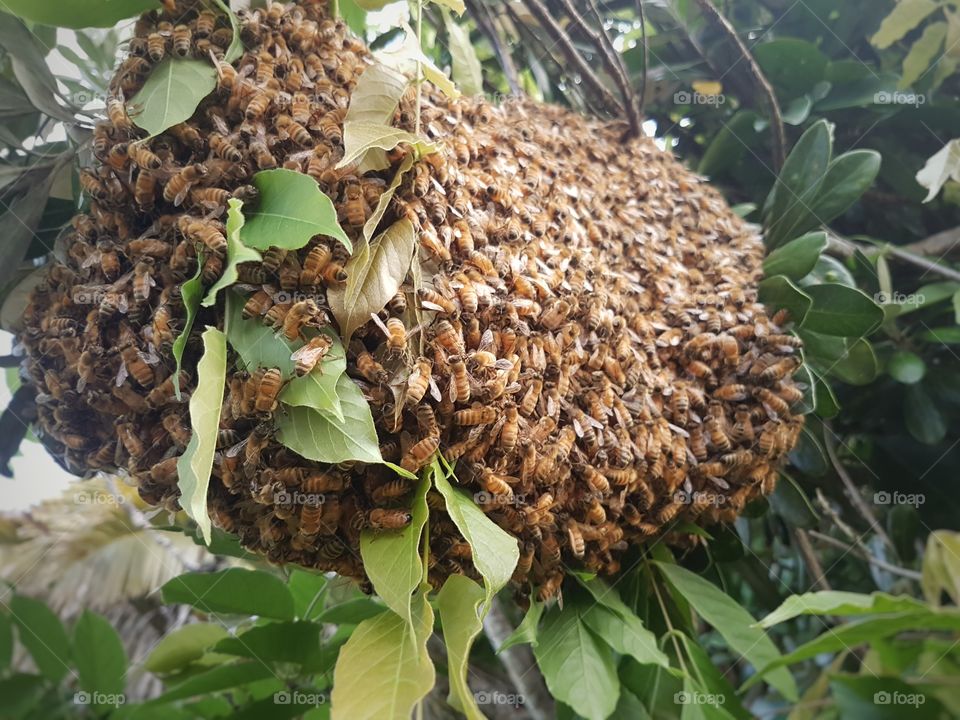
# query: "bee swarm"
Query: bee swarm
{"points": [[587, 346]]}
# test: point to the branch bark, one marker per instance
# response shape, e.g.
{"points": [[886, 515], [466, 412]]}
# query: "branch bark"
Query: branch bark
{"points": [[715, 17], [810, 559]]}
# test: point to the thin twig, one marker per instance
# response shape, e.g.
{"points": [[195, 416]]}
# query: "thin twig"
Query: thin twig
{"points": [[810, 559], [870, 558], [481, 15], [519, 663], [559, 36], [641, 101], [853, 493], [614, 64], [779, 134], [845, 247], [937, 245]]}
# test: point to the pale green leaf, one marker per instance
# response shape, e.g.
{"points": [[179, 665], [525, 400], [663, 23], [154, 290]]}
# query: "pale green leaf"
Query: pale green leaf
{"points": [[78, 13], [467, 71], [578, 668], [257, 344], [495, 552], [236, 45], [318, 388], [237, 252], [318, 436], [373, 102], [181, 647], [172, 93], [922, 53], [384, 669], [526, 632], [456, 5], [942, 166], [196, 463], [409, 56], [190, 293], [291, 210], [361, 137], [841, 604], [732, 622], [370, 226], [459, 603], [370, 5], [374, 275], [391, 558], [100, 658], [906, 15], [941, 567]]}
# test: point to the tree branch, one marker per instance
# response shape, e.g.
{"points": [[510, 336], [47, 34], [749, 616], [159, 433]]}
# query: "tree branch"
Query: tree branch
{"points": [[870, 558], [844, 247], [641, 101], [810, 559], [559, 36], [480, 13], [714, 16]]}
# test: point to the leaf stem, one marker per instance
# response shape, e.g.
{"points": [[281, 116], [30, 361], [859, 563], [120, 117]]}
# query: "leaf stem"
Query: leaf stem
{"points": [[335, 8], [666, 618]]}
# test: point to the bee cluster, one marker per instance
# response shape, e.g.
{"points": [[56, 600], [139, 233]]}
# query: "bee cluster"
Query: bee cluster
{"points": [[586, 342]]}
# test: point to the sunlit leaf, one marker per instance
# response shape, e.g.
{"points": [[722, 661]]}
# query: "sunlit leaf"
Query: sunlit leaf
{"points": [[179, 648], [172, 93], [374, 274], [391, 558], [467, 71], [318, 388], [78, 13], [257, 344], [923, 53], [409, 55], [291, 210], [373, 102], [237, 252], [456, 5], [370, 226], [906, 15], [458, 604], [361, 137], [196, 463], [321, 437], [839, 603]]}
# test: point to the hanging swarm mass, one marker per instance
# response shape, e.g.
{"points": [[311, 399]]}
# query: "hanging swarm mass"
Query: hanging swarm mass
{"points": [[587, 346]]}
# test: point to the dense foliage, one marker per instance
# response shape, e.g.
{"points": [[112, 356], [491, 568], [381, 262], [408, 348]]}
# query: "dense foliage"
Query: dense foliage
{"points": [[827, 114]]}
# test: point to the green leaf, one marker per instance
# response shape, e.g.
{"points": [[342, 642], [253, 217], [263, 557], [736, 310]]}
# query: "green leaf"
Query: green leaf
{"points": [[223, 677], [78, 13], [196, 463], [456, 5], [924, 420], [30, 69], [732, 622], [236, 45], [279, 642], [361, 137], [923, 53], [18, 227], [184, 645], [779, 292], [495, 552], [257, 344], [374, 101], [941, 567], [852, 361], [409, 57], [291, 210], [318, 388], [100, 657], [6, 641], [792, 65], [370, 226], [729, 144], [374, 274], [319, 436], [190, 292], [841, 604], [308, 590], [942, 166], [826, 401], [526, 632], [459, 603], [384, 670], [848, 177], [352, 612], [797, 258], [354, 15], [578, 668], [906, 367], [172, 93], [43, 635], [391, 558], [237, 252], [798, 184], [614, 622], [942, 336], [841, 311], [232, 591], [790, 502], [883, 698], [906, 15], [710, 680], [467, 71]]}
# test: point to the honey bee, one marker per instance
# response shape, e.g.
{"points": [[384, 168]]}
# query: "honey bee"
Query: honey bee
{"points": [[510, 432], [311, 516], [550, 587], [381, 519], [316, 261], [525, 563], [496, 484], [222, 147], [156, 46], [731, 393], [143, 157], [772, 403], [459, 380], [206, 23], [257, 304], [419, 381], [779, 369], [143, 281], [136, 366], [432, 300], [299, 315], [178, 186], [311, 355], [427, 420], [204, 231], [182, 39], [476, 415], [174, 425], [419, 454], [448, 338], [91, 185], [145, 190], [262, 155], [268, 389], [295, 131], [395, 332], [276, 315], [117, 112], [127, 433]]}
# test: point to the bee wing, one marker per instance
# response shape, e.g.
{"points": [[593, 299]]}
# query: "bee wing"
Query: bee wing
{"points": [[435, 390], [487, 341], [380, 324], [236, 449], [122, 374]]}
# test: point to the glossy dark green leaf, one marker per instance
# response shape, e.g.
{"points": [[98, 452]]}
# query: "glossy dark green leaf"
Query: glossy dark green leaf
{"points": [[862, 697], [100, 659], [808, 456], [828, 269], [848, 177], [841, 311], [924, 420], [730, 143], [352, 612], [790, 502], [827, 404], [43, 635], [796, 258], [793, 65], [779, 293], [852, 361], [232, 591], [281, 642], [906, 367]]}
